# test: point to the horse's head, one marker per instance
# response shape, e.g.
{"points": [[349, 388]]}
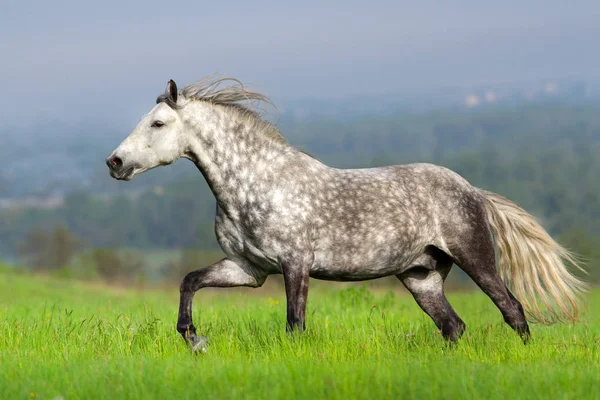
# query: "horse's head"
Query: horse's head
{"points": [[156, 140]]}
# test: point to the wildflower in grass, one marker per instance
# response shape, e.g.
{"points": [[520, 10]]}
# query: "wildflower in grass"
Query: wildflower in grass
{"points": [[32, 395]]}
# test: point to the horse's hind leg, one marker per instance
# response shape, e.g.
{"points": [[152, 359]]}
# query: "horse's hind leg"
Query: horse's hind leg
{"points": [[426, 283], [474, 254]]}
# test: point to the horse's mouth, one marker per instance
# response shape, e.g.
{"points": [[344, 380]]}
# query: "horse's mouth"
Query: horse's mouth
{"points": [[126, 175]]}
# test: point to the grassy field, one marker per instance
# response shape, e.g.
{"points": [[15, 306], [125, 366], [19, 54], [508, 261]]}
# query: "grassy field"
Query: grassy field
{"points": [[61, 339]]}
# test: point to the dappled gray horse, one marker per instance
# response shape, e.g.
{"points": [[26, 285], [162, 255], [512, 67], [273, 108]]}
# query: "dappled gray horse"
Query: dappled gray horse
{"points": [[281, 211]]}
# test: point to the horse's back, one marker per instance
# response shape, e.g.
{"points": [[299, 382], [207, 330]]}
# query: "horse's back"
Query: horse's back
{"points": [[381, 219], [414, 185]]}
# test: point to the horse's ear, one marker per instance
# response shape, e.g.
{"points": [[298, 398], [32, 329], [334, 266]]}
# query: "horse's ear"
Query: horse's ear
{"points": [[171, 91]]}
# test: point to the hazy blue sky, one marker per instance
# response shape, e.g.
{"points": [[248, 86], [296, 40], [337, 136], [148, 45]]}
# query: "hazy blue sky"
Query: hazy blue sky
{"points": [[66, 58]]}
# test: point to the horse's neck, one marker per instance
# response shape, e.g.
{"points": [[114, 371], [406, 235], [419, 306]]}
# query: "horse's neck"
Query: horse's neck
{"points": [[238, 162]]}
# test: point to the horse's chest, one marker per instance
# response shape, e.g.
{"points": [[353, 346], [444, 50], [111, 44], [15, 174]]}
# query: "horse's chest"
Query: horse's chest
{"points": [[239, 241]]}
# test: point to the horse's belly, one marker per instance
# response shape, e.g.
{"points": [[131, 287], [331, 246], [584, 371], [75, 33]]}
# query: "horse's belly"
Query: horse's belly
{"points": [[370, 264], [342, 274]]}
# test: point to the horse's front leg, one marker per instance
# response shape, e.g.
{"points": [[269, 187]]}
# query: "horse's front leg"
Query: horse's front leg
{"points": [[296, 276], [224, 273]]}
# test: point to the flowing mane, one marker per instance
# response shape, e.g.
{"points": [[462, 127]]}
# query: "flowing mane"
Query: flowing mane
{"points": [[212, 90], [231, 93]]}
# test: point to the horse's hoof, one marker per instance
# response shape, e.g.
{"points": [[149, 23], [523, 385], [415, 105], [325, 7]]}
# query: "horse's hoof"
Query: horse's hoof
{"points": [[199, 344]]}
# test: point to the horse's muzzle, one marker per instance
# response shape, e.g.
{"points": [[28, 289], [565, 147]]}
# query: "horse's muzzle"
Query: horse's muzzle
{"points": [[117, 169]]}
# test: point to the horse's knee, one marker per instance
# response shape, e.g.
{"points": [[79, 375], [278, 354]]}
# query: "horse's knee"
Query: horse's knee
{"points": [[186, 283], [220, 277]]}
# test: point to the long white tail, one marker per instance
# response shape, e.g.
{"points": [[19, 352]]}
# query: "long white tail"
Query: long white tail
{"points": [[532, 264]]}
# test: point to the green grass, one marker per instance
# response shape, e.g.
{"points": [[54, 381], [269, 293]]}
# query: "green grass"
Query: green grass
{"points": [[61, 339]]}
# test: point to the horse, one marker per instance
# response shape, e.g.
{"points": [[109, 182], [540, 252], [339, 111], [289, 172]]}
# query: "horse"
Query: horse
{"points": [[281, 211]]}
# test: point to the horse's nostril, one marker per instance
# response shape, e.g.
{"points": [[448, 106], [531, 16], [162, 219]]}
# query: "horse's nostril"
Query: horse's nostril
{"points": [[114, 163]]}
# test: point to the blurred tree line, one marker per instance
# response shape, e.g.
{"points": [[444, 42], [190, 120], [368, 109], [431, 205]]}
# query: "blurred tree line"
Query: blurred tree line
{"points": [[544, 157], [60, 252]]}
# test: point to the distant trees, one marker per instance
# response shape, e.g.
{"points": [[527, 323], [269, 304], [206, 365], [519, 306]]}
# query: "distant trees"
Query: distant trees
{"points": [[52, 250], [586, 248], [189, 260], [116, 266], [49, 249]]}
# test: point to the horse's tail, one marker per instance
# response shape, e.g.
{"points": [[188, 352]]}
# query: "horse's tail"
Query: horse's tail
{"points": [[533, 265]]}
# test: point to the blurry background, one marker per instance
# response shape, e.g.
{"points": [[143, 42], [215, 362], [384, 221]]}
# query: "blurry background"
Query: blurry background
{"points": [[506, 94]]}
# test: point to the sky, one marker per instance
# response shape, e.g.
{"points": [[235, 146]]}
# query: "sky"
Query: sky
{"points": [[74, 59]]}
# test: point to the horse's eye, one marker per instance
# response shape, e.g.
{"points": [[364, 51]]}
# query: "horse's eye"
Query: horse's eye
{"points": [[157, 124]]}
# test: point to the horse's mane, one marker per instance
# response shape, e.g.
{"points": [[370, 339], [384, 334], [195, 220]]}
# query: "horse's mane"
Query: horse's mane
{"points": [[214, 89]]}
